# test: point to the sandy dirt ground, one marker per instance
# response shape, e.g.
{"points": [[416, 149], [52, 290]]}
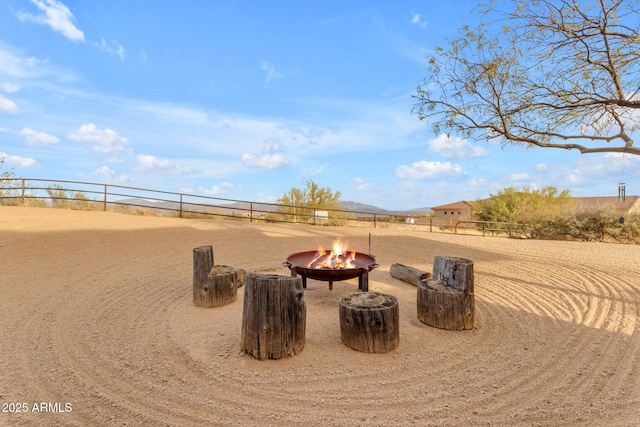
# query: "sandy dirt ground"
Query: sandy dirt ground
{"points": [[98, 328]]}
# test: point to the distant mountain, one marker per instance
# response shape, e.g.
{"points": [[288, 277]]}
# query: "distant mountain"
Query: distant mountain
{"points": [[362, 207], [245, 206], [356, 206]]}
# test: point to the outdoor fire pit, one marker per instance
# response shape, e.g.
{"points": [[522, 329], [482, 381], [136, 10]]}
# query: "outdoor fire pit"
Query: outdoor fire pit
{"points": [[333, 266]]}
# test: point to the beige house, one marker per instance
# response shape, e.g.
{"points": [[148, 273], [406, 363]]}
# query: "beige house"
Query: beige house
{"points": [[454, 211]]}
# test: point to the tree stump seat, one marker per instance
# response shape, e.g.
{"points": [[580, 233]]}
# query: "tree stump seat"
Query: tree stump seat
{"points": [[273, 317], [447, 300], [369, 322], [214, 285]]}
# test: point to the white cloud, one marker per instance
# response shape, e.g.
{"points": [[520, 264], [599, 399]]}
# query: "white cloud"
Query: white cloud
{"points": [[449, 148], [142, 56], [10, 87], [35, 138], [270, 70], [104, 140], [519, 177], [361, 184], [423, 169], [17, 161], [308, 133], [13, 64], [163, 166], [217, 189], [113, 48], [265, 161], [477, 182], [57, 16], [7, 105], [574, 177], [272, 146], [270, 158], [417, 20], [111, 176], [175, 114], [594, 170]]}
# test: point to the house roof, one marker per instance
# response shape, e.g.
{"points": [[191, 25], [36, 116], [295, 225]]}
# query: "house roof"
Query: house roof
{"points": [[457, 205], [584, 204]]}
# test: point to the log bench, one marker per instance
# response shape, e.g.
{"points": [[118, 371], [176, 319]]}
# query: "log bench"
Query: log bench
{"points": [[408, 274]]}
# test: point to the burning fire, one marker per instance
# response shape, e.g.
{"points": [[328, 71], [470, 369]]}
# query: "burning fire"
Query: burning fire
{"points": [[338, 258]]}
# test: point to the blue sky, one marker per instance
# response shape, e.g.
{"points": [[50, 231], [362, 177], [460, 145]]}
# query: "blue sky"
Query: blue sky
{"points": [[247, 99]]}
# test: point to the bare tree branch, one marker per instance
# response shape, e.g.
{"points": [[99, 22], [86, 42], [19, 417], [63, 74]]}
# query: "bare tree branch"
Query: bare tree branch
{"points": [[543, 72]]}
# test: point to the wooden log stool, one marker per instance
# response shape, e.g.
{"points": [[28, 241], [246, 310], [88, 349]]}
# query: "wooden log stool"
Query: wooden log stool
{"points": [[274, 316], [214, 285], [447, 301], [369, 322]]}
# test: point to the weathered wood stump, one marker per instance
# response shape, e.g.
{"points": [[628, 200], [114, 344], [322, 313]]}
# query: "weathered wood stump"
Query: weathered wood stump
{"points": [[408, 274], [447, 300], [213, 285], [274, 316], [369, 322]]}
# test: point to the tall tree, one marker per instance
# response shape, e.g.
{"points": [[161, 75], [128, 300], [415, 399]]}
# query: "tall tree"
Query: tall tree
{"points": [[546, 73]]}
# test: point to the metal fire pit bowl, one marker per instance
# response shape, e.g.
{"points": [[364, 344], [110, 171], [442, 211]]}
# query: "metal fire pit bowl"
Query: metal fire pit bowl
{"points": [[298, 264]]}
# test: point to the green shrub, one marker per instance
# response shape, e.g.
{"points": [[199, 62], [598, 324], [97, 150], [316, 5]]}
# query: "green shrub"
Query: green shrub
{"points": [[533, 210]]}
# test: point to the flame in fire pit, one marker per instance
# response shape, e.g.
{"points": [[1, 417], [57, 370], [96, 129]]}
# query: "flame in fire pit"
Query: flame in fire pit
{"points": [[338, 258]]}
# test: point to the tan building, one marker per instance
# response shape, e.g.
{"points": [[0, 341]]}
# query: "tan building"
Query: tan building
{"points": [[454, 211]]}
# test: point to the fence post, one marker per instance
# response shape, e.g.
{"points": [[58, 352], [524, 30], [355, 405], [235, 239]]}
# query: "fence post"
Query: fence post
{"points": [[375, 218], [105, 198], [430, 225], [180, 205], [23, 185], [250, 211]]}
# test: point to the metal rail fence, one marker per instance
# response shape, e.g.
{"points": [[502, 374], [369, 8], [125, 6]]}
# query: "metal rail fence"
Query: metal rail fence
{"points": [[96, 196]]}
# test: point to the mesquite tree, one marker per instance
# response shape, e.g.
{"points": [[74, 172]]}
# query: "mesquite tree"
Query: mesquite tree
{"points": [[533, 209], [546, 73], [300, 203]]}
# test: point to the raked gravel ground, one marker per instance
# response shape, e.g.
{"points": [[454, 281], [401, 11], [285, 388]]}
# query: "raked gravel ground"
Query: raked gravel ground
{"points": [[98, 328]]}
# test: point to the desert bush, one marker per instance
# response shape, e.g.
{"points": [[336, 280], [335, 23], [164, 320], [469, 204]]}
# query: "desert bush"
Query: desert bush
{"points": [[65, 199], [8, 194], [600, 226], [133, 210], [204, 214], [534, 210], [32, 201], [12, 194]]}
